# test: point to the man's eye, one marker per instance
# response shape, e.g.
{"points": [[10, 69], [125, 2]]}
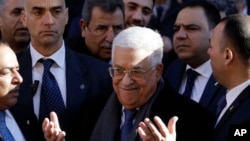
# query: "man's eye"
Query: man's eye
{"points": [[5, 72], [146, 12], [131, 7], [56, 12], [118, 29], [135, 72], [37, 12], [118, 70]]}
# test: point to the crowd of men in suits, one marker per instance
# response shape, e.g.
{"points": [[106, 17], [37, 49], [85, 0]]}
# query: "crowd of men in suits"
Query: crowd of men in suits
{"points": [[117, 63]]}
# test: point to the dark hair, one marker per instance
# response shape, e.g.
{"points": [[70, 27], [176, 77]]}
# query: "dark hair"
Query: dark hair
{"points": [[228, 6], [237, 33], [105, 5], [211, 12]]}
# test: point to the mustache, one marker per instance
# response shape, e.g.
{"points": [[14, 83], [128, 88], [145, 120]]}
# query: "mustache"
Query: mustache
{"points": [[16, 89], [106, 45], [135, 23]]}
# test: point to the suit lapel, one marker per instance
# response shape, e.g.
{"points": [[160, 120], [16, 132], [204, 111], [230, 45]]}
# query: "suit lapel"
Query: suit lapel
{"points": [[209, 91], [77, 86], [24, 60], [175, 73], [111, 118], [233, 107]]}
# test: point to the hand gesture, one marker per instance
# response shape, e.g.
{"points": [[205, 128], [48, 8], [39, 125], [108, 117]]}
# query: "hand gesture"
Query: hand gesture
{"points": [[159, 132], [52, 130]]}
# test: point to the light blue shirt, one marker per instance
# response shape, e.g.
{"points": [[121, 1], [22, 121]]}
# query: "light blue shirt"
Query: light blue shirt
{"points": [[13, 127]]}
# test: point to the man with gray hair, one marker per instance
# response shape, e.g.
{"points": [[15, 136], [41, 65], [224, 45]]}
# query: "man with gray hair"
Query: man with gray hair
{"points": [[138, 86], [101, 21], [11, 29]]}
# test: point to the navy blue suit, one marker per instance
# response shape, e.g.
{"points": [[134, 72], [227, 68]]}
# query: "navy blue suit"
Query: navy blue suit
{"points": [[87, 81], [211, 94], [237, 114]]}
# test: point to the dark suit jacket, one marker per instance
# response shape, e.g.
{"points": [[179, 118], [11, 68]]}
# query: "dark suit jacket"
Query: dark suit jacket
{"points": [[87, 81], [77, 44], [211, 94], [237, 114], [195, 123]]}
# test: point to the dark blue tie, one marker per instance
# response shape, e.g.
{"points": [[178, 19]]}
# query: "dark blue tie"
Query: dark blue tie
{"points": [[220, 105], [191, 75], [4, 131], [128, 124], [51, 98]]}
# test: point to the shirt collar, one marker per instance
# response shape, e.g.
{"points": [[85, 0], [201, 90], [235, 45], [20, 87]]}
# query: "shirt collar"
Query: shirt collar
{"points": [[204, 69], [57, 56], [235, 92]]}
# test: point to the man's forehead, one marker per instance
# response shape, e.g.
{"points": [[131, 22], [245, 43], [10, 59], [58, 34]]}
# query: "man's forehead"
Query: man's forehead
{"points": [[191, 16], [142, 3], [45, 3]]}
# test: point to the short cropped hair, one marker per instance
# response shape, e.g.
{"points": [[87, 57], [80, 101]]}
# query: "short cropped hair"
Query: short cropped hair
{"points": [[109, 6], [212, 13], [141, 38], [237, 33]]}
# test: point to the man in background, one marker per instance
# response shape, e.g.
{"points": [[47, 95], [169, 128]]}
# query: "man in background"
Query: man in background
{"points": [[12, 30]]}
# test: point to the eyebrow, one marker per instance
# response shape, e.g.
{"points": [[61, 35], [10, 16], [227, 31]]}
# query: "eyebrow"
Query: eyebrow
{"points": [[42, 8], [16, 67], [136, 4]]}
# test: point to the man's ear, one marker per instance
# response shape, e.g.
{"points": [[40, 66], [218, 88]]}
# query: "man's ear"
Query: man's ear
{"points": [[83, 26], [228, 56], [67, 16], [1, 23], [159, 69]]}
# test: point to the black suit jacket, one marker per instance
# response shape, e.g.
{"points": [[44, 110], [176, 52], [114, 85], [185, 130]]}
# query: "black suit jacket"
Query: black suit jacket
{"points": [[195, 122], [87, 81], [78, 44], [211, 94], [237, 114]]}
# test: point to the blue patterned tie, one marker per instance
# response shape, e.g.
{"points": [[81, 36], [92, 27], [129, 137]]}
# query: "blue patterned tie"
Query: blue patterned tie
{"points": [[51, 98], [191, 75], [4, 131], [128, 124]]}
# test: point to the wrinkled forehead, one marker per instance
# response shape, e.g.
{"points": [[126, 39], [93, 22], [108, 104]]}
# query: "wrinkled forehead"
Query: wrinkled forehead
{"points": [[47, 4]]}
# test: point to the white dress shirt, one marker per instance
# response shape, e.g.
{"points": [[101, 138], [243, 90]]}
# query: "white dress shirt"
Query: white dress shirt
{"points": [[200, 83], [58, 69]]}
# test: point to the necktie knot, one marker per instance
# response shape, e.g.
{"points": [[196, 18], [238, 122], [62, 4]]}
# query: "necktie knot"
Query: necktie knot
{"points": [[191, 75], [129, 114], [128, 124], [47, 63]]}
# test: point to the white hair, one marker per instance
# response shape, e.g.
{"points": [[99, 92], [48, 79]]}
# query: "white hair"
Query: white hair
{"points": [[141, 38]]}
